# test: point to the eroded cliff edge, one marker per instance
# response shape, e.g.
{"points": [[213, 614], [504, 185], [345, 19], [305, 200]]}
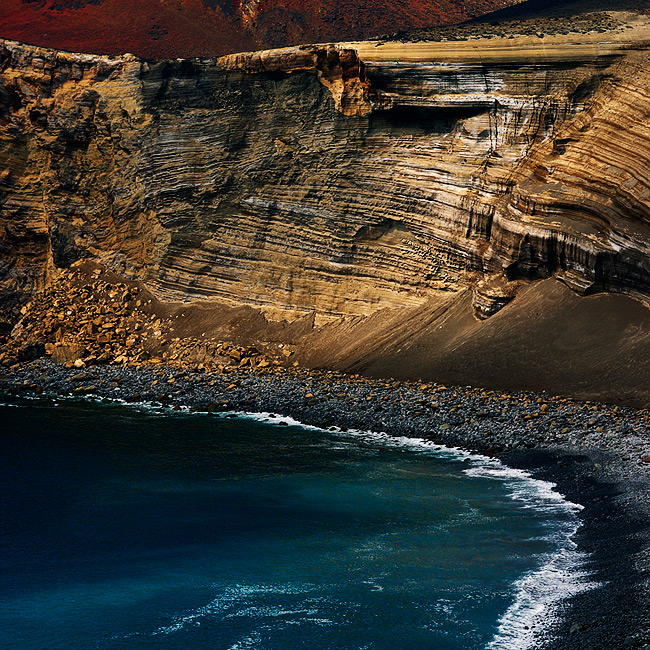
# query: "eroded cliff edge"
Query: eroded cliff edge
{"points": [[333, 180]]}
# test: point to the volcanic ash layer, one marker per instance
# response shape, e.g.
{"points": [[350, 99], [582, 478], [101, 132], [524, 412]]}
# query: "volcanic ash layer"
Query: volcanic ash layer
{"points": [[469, 211]]}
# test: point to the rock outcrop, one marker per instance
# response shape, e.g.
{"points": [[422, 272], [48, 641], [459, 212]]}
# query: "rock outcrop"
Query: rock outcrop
{"points": [[335, 180]]}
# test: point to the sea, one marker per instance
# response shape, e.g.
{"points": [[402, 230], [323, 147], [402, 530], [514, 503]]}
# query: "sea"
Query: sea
{"points": [[128, 527]]}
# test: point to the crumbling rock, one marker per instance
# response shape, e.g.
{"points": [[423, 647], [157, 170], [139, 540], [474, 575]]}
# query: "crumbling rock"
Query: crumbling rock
{"points": [[492, 294], [83, 320]]}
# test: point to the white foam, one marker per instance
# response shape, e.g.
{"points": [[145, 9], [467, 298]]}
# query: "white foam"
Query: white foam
{"points": [[539, 593], [274, 418], [270, 611], [249, 641], [236, 597], [145, 407]]}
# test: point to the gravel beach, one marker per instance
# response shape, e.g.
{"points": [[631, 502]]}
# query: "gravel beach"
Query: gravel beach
{"points": [[597, 454]]}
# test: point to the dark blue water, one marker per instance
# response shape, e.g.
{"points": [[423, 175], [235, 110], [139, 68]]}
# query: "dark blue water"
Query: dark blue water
{"points": [[130, 530]]}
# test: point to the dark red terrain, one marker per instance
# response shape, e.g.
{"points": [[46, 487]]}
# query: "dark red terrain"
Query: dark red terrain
{"points": [[174, 28]]}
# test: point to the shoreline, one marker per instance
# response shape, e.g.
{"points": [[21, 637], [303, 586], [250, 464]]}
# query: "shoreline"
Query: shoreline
{"points": [[596, 454], [614, 533]]}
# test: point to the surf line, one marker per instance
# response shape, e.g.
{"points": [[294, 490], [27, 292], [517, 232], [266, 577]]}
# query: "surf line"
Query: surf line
{"points": [[539, 593]]}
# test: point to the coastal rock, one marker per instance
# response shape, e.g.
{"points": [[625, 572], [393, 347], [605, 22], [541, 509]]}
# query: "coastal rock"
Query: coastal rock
{"points": [[492, 294], [330, 182], [69, 354]]}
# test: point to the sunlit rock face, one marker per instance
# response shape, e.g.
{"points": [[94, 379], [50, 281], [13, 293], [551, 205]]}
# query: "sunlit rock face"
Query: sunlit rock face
{"points": [[332, 179]]}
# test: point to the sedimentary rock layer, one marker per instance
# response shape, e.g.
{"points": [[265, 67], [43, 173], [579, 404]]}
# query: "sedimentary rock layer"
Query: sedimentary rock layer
{"points": [[335, 179]]}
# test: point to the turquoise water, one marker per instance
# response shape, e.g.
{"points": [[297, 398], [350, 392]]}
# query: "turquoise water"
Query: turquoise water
{"points": [[126, 529]]}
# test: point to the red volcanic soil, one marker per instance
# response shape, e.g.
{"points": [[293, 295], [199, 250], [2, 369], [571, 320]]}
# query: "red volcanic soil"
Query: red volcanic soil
{"points": [[148, 28], [175, 28]]}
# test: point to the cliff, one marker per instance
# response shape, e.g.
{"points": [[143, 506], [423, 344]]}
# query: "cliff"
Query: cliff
{"points": [[334, 181]]}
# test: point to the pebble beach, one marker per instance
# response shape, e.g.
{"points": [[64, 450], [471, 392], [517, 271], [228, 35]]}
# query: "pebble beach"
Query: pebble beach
{"points": [[598, 455]]}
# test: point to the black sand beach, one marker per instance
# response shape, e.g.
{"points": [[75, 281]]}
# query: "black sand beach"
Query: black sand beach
{"points": [[597, 454]]}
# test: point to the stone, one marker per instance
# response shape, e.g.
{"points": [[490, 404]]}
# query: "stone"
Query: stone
{"points": [[508, 145], [491, 294], [315, 232], [68, 353]]}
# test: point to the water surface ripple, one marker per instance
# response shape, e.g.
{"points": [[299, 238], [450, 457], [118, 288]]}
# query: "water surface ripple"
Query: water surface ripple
{"points": [[127, 529]]}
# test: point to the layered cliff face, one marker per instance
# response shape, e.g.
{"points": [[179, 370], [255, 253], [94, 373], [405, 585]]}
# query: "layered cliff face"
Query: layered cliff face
{"points": [[337, 180]]}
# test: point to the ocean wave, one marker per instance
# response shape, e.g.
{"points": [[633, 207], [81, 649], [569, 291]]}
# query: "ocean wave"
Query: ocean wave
{"points": [[238, 600], [539, 593]]}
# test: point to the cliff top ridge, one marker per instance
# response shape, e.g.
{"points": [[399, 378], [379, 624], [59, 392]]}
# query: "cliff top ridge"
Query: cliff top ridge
{"points": [[161, 29]]}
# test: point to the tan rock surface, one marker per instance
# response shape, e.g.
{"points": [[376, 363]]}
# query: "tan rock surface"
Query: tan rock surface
{"points": [[333, 182]]}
